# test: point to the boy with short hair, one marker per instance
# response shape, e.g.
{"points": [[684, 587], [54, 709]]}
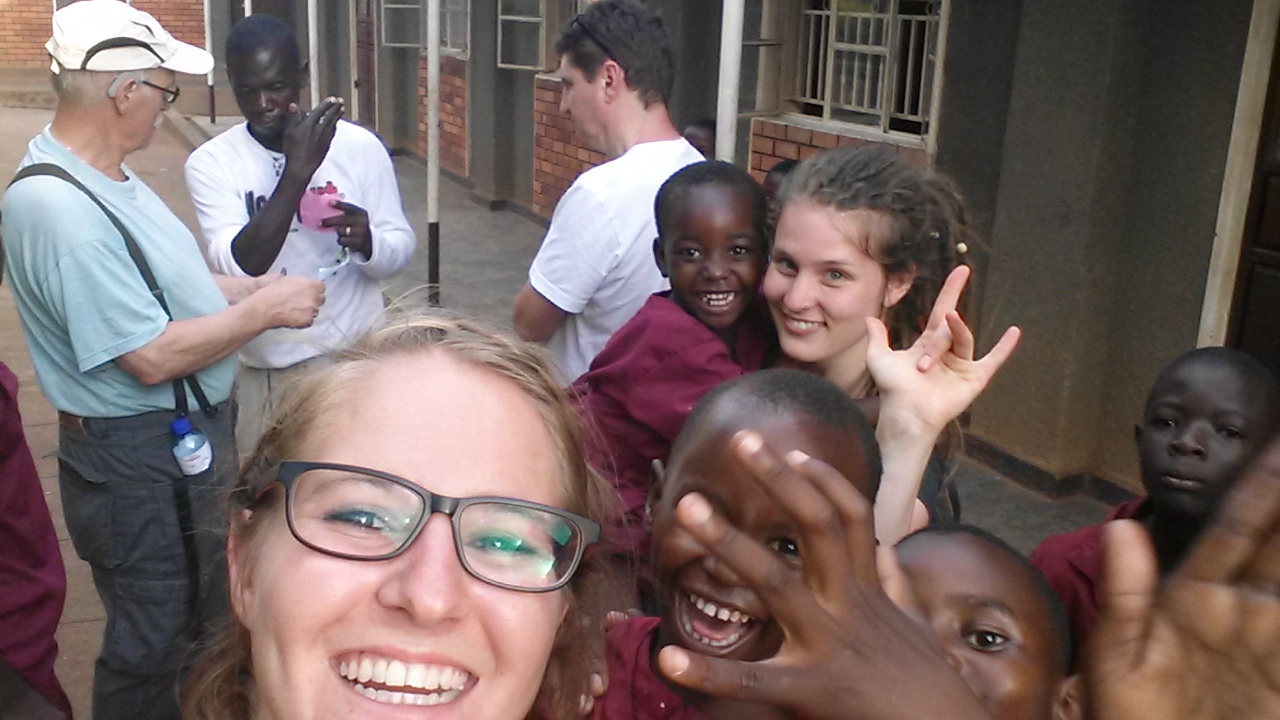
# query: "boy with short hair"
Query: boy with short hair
{"points": [[992, 614], [1207, 415], [997, 620], [707, 609]]}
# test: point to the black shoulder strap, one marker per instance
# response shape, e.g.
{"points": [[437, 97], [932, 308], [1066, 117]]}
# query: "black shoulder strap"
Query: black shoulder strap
{"points": [[139, 260]]}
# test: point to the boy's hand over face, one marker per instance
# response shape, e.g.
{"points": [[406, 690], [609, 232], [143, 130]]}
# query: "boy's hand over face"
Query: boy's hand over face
{"points": [[1205, 645], [849, 652]]}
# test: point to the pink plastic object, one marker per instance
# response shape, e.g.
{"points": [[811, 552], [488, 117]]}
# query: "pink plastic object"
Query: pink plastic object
{"points": [[317, 205]]}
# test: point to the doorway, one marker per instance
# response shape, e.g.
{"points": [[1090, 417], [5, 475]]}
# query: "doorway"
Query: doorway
{"points": [[366, 81], [1255, 313]]}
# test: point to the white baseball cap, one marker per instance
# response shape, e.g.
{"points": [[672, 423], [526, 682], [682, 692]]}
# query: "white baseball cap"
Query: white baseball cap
{"points": [[111, 36]]}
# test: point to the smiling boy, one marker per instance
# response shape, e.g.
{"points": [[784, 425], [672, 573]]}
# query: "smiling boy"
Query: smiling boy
{"points": [[1208, 414], [708, 609]]}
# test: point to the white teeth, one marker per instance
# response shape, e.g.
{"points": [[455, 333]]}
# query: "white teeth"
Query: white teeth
{"points": [[416, 676], [408, 698], [423, 683], [720, 613], [718, 299], [802, 325], [431, 677], [396, 673]]}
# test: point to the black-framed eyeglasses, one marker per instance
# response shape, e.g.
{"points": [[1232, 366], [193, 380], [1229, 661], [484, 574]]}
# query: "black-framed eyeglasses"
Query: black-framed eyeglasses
{"points": [[581, 24], [170, 94], [357, 513]]}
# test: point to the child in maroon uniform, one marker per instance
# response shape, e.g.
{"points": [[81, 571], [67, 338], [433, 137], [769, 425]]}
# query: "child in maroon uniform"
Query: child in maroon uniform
{"points": [[33, 583], [708, 328], [1208, 413]]}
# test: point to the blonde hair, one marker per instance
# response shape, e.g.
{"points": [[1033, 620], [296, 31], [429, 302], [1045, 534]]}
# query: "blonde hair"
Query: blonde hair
{"points": [[222, 687]]}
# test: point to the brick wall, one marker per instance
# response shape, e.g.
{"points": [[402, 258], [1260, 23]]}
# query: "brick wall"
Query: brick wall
{"points": [[184, 19], [557, 158], [453, 113], [25, 25], [773, 141]]}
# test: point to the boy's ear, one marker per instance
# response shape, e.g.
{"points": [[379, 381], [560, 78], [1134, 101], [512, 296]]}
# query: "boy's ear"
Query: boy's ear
{"points": [[660, 257], [1068, 700], [304, 77], [655, 493], [1137, 433]]}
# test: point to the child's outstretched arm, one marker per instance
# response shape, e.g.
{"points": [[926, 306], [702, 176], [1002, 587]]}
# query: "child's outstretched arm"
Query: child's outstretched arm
{"points": [[922, 389], [849, 651], [1206, 644]]}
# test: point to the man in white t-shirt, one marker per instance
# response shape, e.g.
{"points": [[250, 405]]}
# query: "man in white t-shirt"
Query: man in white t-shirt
{"points": [[595, 267], [295, 194]]}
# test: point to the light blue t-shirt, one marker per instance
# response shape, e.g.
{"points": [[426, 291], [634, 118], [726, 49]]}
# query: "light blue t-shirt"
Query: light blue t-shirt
{"points": [[83, 302]]}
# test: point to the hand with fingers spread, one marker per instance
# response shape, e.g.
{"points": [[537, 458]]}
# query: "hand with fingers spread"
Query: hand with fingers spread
{"points": [[352, 227], [930, 383], [308, 136], [1205, 644], [847, 650], [922, 388]]}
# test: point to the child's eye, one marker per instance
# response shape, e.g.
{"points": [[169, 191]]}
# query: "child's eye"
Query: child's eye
{"points": [[785, 547], [986, 641], [836, 275], [688, 253], [1162, 422], [1231, 433]]}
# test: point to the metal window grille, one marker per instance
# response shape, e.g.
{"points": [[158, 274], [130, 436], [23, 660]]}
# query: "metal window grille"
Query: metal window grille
{"points": [[869, 62], [402, 23], [455, 26]]}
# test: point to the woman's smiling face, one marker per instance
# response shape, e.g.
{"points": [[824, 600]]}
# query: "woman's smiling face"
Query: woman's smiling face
{"points": [[822, 285], [415, 635]]}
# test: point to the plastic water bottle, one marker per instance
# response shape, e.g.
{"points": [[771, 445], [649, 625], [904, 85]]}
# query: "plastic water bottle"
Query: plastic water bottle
{"points": [[192, 449]]}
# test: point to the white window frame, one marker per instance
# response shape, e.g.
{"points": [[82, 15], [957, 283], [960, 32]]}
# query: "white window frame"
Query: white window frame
{"points": [[455, 28], [418, 21], [551, 18]]}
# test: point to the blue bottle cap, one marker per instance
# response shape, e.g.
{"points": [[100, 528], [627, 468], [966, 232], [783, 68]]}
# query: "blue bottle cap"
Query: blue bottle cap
{"points": [[180, 426]]}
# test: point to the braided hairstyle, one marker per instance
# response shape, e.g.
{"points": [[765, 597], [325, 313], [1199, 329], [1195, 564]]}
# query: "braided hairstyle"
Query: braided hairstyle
{"points": [[929, 230]]}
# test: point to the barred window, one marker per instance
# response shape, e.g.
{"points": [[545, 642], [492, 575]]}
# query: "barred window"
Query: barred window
{"points": [[868, 62], [455, 26]]}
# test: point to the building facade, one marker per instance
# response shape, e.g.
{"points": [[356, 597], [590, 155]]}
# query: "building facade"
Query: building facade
{"points": [[1121, 158]]}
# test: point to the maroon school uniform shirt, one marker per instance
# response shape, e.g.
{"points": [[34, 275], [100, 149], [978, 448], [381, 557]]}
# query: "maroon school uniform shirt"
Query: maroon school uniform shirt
{"points": [[1072, 563], [33, 583], [635, 691], [641, 388]]}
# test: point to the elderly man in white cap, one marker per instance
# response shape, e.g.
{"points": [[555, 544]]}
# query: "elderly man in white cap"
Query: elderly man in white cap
{"points": [[128, 330]]}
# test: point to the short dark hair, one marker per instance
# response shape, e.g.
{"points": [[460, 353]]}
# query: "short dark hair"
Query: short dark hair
{"points": [[783, 168], [1057, 615], [263, 31], [632, 35], [1252, 373], [787, 390], [672, 194]]}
